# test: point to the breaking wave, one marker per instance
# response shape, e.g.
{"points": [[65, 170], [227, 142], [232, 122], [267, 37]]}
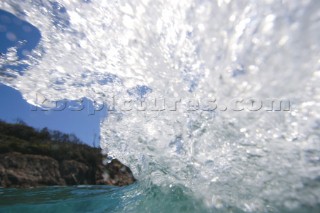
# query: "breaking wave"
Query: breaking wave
{"points": [[173, 75]]}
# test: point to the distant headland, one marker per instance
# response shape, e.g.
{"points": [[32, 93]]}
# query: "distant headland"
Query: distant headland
{"points": [[33, 158]]}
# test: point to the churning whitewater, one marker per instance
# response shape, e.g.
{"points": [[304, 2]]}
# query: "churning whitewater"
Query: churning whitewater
{"points": [[181, 80]]}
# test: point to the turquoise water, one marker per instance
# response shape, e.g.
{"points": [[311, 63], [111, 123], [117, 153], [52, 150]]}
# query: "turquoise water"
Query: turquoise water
{"points": [[98, 199], [134, 198]]}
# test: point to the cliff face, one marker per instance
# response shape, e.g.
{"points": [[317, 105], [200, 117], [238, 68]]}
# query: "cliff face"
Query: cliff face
{"points": [[30, 158], [25, 170]]}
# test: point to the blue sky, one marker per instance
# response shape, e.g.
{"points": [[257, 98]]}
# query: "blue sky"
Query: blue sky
{"points": [[83, 123]]}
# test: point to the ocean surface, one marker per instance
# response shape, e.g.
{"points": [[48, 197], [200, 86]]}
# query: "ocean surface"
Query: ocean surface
{"points": [[99, 199], [135, 198], [214, 105]]}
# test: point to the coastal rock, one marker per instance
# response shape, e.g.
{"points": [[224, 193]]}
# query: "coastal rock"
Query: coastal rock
{"points": [[118, 174], [24, 170], [31, 157], [75, 173]]}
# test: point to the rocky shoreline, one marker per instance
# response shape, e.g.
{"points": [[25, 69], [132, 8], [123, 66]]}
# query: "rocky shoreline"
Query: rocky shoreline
{"points": [[30, 158], [24, 170]]}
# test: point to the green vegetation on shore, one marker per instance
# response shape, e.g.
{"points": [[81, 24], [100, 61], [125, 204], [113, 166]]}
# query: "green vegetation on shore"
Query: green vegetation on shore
{"points": [[30, 158], [60, 146]]}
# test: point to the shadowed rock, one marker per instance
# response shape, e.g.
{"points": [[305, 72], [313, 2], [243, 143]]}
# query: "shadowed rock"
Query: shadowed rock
{"points": [[118, 174], [25, 170]]}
